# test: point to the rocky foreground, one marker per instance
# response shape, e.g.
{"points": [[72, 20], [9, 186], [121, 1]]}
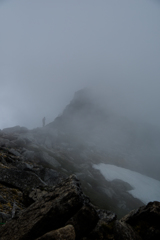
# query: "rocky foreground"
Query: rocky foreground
{"points": [[37, 202]]}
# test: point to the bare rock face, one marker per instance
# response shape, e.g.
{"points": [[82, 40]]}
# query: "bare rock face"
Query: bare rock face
{"points": [[125, 231], [145, 221], [49, 213], [19, 178], [63, 212]]}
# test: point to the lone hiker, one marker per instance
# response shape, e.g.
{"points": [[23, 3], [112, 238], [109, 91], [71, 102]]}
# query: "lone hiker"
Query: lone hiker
{"points": [[43, 121]]}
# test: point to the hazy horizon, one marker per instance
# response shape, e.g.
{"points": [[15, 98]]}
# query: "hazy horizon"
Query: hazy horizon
{"points": [[50, 49]]}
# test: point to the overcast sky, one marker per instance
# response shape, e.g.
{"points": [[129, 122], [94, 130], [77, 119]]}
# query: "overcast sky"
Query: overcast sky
{"points": [[51, 48]]}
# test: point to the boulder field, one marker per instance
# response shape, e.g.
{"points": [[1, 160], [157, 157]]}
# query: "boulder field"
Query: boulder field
{"points": [[39, 203]]}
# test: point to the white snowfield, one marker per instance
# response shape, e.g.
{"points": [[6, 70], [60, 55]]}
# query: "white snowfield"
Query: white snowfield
{"points": [[144, 188]]}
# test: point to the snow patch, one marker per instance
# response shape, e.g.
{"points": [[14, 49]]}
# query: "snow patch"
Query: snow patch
{"points": [[144, 188]]}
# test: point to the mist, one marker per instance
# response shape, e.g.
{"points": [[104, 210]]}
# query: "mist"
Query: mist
{"points": [[49, 50]]}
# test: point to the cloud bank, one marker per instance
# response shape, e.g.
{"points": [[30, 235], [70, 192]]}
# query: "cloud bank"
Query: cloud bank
{"points": [[49, 50]]}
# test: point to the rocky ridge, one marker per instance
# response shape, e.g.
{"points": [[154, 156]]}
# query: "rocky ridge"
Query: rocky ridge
{"points": [[36, 207], [40, 194], [29, 150]]}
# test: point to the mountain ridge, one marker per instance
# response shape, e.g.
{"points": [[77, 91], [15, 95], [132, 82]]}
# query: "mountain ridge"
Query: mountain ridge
{"points": [[83, 135]]}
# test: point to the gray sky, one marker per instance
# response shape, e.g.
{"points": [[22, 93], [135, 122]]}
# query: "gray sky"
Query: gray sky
{"points": [[50, 48]]}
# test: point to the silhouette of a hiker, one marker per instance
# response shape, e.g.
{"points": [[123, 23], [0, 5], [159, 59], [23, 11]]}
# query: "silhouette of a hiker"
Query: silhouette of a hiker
{"points": [[43, 121]]}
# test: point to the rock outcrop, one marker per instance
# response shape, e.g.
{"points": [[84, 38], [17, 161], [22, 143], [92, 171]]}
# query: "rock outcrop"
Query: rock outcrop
{"points": [[145, 221], [49, 213], [63, 212]]}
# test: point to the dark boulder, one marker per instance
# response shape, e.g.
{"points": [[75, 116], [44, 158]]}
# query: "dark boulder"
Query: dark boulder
{"points": [[49, 213], [19, 179], [145, 221], [125, 231], [84, 220], [104, 228]]}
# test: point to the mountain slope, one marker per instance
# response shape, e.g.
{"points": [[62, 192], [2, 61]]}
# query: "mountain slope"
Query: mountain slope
{"points": [[87, 133]]}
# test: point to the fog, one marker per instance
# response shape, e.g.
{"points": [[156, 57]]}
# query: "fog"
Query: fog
{"points": [[50, 49]]}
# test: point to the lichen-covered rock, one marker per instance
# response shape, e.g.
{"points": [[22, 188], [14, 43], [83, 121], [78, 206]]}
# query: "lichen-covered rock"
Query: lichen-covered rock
{"points": [[49, 213], [64, 233], [108, 216], [32, 195], [10, 195], [19, 179]]}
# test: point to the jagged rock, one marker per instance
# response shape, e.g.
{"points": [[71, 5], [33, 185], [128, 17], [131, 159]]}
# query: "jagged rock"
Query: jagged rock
{"points": [[10, 195], [64, 212], [84, 220], [145, 221], [47, 214], [125, 231], [36, 194], [65, 233], [19, 179], [108, 216], [31, 196], [114, 230]]}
